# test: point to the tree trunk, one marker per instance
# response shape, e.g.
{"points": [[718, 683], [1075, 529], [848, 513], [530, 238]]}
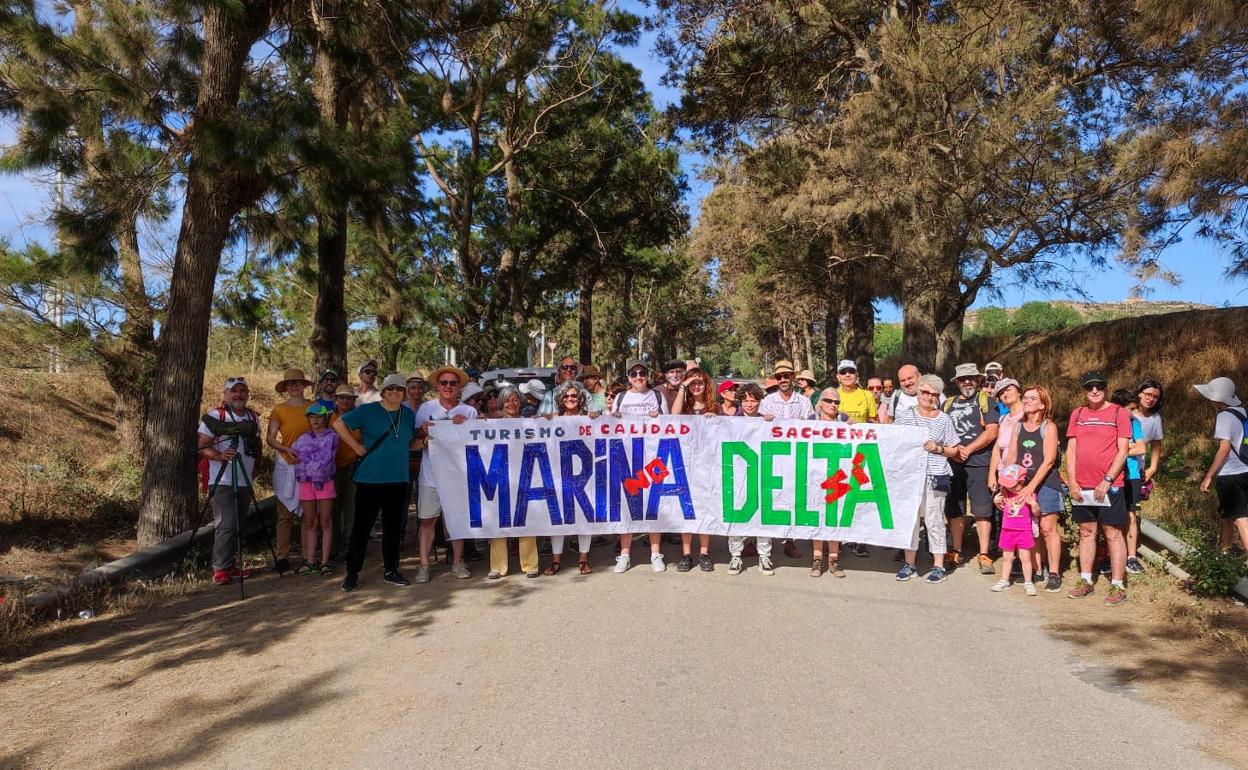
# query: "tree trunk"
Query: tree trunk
{"points": [[831, 334], [585, 317], [949, 344], [918, 331], [215, 192], [329, 314], [860, 341]]}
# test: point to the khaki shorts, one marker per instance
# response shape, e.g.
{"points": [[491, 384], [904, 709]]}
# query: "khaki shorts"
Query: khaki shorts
{"points": [[428, 504]]}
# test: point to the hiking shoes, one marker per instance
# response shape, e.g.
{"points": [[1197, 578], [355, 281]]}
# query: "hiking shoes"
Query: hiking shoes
{"points": [[395, 578], [985, 564], [685, 564], [1115, 596], [1134, 566], [1053, 583], [834, 568], [350, 582], [1082, 589]]}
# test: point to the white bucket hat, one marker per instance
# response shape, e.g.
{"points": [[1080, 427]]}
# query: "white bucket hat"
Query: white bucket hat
{"points": [[470, 390], [1219, 389], [533, 387]]}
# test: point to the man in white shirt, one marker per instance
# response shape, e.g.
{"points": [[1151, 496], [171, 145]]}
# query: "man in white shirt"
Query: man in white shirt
{"points": [[447, 382], [903, 398], [786, 403], [367, 393]]}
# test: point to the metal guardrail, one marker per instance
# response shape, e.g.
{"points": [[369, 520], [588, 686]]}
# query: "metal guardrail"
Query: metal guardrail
{"points": [[1174, 545]]}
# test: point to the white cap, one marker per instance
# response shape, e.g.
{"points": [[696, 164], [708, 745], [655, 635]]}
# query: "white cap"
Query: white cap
{"points": [[993, 366], [846, 363], [1219, 389], [533, 387], [470, 390]]}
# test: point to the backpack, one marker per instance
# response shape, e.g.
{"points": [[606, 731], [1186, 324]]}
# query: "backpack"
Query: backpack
{"points": [[981, 396], [1242, 449]]}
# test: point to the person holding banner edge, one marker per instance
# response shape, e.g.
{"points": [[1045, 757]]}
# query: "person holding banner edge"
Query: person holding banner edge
{"points": [[448, 382], [941, 446]]}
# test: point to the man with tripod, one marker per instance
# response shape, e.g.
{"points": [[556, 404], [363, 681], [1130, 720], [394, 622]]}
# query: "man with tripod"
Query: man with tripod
{"points": [[231, 491]]}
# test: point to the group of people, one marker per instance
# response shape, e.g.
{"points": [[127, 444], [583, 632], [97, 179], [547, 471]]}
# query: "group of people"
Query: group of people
{"points": [[349, 456]]}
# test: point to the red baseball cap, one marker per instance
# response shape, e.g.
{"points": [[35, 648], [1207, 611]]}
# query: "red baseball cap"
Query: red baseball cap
{"points": [[726, 385]]}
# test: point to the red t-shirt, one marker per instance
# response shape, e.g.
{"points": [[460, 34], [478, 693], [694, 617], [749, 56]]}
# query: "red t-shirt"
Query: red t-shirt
{"points": [[1097, 433]]}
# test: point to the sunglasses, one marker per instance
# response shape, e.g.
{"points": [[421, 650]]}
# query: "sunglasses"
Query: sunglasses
{"points": [[370, 372], [847, 371], [1095, 386], [568, 367], [637, 373], [830, 400], [399, 388], [329, 379], [572, 396], [447, 383], [875, 388], [931, 393], [784, 376]]}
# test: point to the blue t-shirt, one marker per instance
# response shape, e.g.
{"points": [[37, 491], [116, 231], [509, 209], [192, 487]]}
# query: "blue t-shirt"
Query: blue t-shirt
{"points": [[387, 464], [1133, 463]]}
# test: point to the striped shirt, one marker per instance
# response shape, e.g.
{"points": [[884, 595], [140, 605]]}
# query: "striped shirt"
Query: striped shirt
{"points": [[939, 429], [796, 408]]}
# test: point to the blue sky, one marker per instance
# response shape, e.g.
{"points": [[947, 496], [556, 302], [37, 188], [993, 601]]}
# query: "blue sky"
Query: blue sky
{"points": [[1200, 263]]}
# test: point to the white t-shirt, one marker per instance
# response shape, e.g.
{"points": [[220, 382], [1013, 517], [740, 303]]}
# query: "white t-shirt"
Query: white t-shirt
{"points": [[214, 466], [798, 407], [1229, 427], [897, 403], [1151, 426], [433, 411], [370, 397], [630, 403]]}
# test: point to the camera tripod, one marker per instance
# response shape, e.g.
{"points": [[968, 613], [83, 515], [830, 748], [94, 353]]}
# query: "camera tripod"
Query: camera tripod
{"points": [[236, 467]]}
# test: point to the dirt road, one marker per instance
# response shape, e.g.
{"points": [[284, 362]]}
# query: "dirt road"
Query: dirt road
{"points": [[635, 670]]}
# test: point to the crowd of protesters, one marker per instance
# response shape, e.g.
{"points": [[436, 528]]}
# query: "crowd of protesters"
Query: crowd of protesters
{"points": [[996, 458]]}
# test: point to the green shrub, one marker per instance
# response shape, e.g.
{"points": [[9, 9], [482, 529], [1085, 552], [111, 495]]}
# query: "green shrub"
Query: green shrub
{"points": [[1213, 572]]}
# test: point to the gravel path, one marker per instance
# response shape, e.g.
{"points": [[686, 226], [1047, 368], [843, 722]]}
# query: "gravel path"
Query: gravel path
{"points": [[634, 670]]}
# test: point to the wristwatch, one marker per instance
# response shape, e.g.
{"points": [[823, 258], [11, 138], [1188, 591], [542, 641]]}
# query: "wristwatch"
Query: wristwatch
{"points": [[1109, 479]]}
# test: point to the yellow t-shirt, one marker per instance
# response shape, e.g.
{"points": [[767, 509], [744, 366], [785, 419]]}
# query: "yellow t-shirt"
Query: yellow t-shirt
{"points": [[859, 405], [291, 424], [345, 455]]}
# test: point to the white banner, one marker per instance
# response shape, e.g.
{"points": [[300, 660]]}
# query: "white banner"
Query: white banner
{"points": [[722, 475]]}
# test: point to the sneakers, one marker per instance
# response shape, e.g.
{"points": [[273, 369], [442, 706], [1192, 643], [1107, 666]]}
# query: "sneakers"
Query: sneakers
{"points": [[1053, 583], [1000, 585], [684, 565], [1103, 567], [221, 577], [1116, 595], [1134, 566], [985, 564], [705, 564], [235, 572], [1082, 589], [350, 582], [1029, 589], [834, 568], [735, 565], [460, 570], [906, 572], [936, 575], [656, 563], [765, 566], [622, 563], [395, 578], [422, 574]]}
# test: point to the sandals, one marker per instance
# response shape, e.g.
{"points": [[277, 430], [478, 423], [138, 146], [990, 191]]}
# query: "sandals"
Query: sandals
{"points": [[326, 569], [585, 568], [816, 568], [308, 569], [553, 569]]}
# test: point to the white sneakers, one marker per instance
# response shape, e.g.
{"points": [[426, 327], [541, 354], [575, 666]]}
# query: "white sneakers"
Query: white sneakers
{"points": [[656, 562], [460, 570], [622, 563]]}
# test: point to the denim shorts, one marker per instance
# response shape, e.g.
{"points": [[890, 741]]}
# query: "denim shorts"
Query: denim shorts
{"points": [[1049, 499]]}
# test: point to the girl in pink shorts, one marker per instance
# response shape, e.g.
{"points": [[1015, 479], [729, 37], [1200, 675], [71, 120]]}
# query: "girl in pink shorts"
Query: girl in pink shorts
{"points": [[316, 450], [1017, 528]]}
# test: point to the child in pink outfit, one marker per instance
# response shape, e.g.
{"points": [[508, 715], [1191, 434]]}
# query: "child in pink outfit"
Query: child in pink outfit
{"points": [[1017, 528], [315, 472]]}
